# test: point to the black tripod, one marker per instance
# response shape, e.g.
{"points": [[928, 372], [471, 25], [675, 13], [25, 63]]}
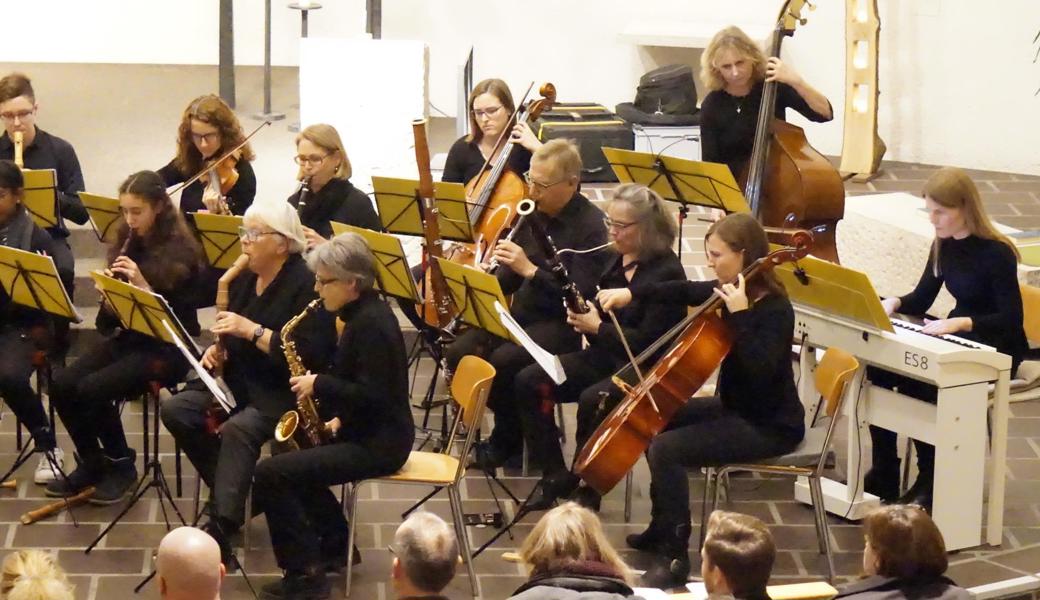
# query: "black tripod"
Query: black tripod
{"points": [[153, 473]]}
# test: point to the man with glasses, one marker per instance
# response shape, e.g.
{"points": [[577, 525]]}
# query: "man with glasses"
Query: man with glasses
{"points": [[41, 150], [575, 225]]}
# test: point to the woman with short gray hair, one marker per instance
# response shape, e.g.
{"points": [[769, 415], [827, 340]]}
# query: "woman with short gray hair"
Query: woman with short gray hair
{"points": [[364, 404]]}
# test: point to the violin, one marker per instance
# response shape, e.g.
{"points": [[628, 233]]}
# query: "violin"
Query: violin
{"points": [[222, 175]]}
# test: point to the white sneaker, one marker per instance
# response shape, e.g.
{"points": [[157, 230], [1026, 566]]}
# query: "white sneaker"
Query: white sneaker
{"points": [[45, 473]]}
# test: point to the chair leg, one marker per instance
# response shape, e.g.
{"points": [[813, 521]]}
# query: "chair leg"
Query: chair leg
{"points": [[563, 426], [352, 519], [708, 502], [628, 497], [524, 462], [249, 521], [822, 532], [908, 456], [460, 530]]}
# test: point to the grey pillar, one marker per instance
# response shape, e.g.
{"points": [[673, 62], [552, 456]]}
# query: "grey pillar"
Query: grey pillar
{"points": [[226, 65], [374, 22]]}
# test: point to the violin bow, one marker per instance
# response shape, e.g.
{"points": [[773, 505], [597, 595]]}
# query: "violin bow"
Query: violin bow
{"points": [[241, 145]]}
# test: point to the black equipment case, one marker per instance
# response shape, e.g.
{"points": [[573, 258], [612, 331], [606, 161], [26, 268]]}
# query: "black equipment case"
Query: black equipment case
{"points": [[592, 127]]}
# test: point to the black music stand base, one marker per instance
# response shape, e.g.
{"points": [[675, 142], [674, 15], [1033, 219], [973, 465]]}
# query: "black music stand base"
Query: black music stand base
{"points": [[521, 512]]}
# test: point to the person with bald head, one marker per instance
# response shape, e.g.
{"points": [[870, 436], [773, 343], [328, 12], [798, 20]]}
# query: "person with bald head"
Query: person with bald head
{"points": [[426, 553], [188, 565]]}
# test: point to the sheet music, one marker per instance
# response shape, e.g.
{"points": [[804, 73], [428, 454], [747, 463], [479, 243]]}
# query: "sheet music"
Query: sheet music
{"points": [[543, 357], [219, 389]]}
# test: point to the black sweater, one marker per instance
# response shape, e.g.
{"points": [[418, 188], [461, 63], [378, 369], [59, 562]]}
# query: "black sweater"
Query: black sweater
{"points": [[728, 134], [366, 382], [578, 226], [982, 276], [756, 380], [464, 161], [239, 197], [337, 201], [51, 152]]}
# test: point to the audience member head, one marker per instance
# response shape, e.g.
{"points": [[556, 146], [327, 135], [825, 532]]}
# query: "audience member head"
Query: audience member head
{"points": [[188, 565], [737, 556], [426, 553], [902, 541], [33, 575], [570, 533], [554, 176], [731, 58], [732, 244]]}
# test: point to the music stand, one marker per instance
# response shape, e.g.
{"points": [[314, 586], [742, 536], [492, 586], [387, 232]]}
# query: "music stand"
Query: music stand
{"points": [[679, 180], [40, 198], [105, 216], [393, 277], [219, 237], [144, 312], [32, 280]]}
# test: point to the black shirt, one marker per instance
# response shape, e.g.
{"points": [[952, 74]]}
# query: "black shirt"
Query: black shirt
{"points": [[982, 276], [579, 226], [239, 197], [338, 200], [366, 382], [728, 122], [51, 152], [756, 380], [465, 160]]}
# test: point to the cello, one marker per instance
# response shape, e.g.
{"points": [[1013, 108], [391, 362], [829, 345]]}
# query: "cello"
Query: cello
{"points": [[786, 175], [699, 343]]}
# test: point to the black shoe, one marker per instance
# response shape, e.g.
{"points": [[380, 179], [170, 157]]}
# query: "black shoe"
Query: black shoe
{"points": [[672, 567], [298, 585], [587, 497], [550, 489], [221, 532], [88, 472], [487, 457], [920, 493], [337, 559], [118, 480], [883, 483], [650, 540]]}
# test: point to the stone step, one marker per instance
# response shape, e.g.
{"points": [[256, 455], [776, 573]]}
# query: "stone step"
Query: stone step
{"points": [[84, 242]]}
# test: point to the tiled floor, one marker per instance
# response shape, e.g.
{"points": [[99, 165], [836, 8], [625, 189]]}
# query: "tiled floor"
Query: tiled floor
{"points": [[143, 138]]}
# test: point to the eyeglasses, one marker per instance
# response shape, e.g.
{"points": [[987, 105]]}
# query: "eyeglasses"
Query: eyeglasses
{"points": [[207, 138], [313, 159], [541, 186], [21, 115], [618, 225], [324, 281], [252, 235], [487, 112]]}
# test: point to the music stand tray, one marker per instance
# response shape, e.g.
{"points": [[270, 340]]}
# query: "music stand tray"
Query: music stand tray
{"points": [[105, 216], [32, 280], [219, 237], [474, 293], [400, 208], [40, 198], [393, 277]]}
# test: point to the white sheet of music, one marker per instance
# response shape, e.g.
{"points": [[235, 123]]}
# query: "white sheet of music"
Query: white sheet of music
{"points": [[219, 389], [543, 357]]}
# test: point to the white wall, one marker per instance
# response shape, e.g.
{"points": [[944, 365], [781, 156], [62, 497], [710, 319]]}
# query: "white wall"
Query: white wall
{"points": [[957, 77]]}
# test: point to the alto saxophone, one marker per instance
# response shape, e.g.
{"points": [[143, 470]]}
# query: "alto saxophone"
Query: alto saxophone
{"points": [[303, 427]]}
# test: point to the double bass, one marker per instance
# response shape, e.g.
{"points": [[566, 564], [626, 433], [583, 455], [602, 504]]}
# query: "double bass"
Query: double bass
{"points": [[786, 175], [698, 344]]}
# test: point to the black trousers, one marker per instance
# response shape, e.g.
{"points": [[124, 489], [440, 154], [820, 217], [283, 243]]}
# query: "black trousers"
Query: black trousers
{"points": [[588, 373], [306, 521], [226, 461], [15, 370], [883, 443], [86, 393], [509, 360], [703, 433]]}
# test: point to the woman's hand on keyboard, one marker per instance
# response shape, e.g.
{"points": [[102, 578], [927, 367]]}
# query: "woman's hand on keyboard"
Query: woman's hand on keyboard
{"points": [[946, 326]]}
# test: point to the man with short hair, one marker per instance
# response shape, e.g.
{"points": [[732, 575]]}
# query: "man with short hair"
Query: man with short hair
{"points": [[188, 565], [426, 553], [737, 556]]}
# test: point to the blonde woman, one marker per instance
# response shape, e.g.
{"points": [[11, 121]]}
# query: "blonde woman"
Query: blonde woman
{"points": [[328, 195], [33, 575], [733, 69], [568, 555], [979, 267]]}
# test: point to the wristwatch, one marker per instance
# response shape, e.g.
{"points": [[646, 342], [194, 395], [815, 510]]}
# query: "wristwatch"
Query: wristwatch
{"points": [[257, 333]]}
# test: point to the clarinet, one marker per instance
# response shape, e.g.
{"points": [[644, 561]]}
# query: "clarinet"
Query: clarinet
{"points": [[304, 189], [571, 294]]}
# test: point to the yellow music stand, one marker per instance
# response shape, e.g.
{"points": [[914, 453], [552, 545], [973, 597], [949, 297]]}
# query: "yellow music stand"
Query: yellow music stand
{"points": [[679, 180], [32, 280], [219, 236], [474, 293], [393, 277], [834, 290], [400, 208], [105, 216], [142, 311], [40, 198]]}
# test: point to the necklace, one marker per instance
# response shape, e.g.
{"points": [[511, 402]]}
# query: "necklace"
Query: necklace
{"points": [[740, 104]]}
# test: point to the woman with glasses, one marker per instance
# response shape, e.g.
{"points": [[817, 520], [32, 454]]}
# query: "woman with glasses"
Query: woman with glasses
{"points": [[642, 232], [490, 106], [327, 194], [276, 287], [156, 251], [208, 129]]}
